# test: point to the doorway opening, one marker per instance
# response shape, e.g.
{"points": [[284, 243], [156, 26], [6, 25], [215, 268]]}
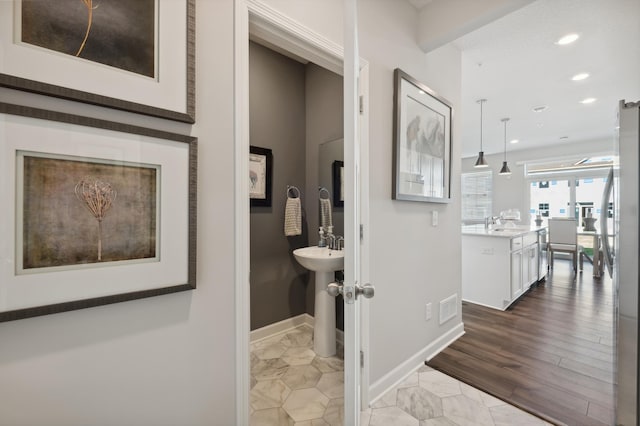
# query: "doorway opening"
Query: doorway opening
{"points": [[274, 32]]}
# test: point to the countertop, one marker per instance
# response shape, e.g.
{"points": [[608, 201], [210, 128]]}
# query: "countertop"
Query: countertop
{"points": [[500, 231]]}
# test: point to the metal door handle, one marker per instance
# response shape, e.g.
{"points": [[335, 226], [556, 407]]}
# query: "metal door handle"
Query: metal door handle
{"points": [[367, 290], [334, 289]]}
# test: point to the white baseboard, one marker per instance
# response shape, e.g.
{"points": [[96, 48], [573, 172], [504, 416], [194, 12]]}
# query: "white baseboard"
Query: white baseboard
{"points": [[287, 325], [280, 327], [404, 370]]}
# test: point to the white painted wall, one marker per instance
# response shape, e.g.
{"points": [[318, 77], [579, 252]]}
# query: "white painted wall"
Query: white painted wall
{"points": [[511, 191], [412, 262], [166, 360]]}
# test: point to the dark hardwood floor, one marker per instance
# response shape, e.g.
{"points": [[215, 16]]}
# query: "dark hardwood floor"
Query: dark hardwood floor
{"points": [[551, 353]]}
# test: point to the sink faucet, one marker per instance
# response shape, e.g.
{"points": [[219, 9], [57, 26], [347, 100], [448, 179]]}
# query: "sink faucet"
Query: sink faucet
{"points": [[331, 241], [339, 243], [490, 220]]}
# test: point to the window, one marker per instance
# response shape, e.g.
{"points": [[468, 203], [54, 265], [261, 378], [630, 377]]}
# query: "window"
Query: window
{"points": [[543, 209], [568, 188], [476, 196]]}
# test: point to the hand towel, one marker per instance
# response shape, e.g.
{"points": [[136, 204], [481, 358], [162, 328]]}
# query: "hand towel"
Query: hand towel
{"points": [[292, 217], [325, 212]]}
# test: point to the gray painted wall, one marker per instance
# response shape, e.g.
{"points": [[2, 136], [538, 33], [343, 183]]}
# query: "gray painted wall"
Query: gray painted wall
{"points": [[161, 361], [277, 109]]}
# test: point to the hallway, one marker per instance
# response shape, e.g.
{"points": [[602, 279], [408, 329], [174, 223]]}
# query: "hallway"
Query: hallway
{"points": [[292, 386]]}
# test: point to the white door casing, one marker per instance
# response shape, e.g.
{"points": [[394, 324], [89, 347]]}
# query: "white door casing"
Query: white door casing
{"points": [[252, 17]]}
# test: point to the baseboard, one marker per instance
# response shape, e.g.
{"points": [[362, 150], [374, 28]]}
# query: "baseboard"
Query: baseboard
{"points": [[408, 367], [280, 327], [287, 325]]}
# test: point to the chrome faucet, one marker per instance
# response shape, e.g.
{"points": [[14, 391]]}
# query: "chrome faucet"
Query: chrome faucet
{"points": [[490, 220], [339, 243], [331, 241]]}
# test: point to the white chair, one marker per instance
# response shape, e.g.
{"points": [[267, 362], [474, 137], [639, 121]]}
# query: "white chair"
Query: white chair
{"points": [[563, 237]]}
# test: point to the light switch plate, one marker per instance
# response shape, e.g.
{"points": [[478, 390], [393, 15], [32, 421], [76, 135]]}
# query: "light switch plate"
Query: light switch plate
{"points": [[434, 218]]}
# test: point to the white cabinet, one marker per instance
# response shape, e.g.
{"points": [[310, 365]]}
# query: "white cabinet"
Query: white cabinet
{"points": [[497, 270], [516, 274], [532, 260]]}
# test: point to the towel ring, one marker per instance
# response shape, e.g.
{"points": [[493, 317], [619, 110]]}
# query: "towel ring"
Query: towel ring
{"points": [[325, 191], [290, 191]]}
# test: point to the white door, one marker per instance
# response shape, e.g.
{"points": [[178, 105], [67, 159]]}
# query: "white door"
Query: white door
{"points": [[355, 206]]}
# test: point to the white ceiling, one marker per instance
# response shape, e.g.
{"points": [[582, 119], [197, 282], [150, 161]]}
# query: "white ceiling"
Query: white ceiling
{"points": [[515, 64]]}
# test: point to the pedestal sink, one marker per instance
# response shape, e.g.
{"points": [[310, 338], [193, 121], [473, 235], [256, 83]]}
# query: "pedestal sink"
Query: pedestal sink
{"points": [[324, 262]]}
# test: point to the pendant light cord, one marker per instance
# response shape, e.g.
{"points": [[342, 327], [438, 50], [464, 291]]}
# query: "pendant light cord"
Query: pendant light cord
{"points": [[505, 140], [481, 102]]}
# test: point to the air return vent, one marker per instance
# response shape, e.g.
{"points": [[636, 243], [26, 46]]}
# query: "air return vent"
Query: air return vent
{"points": [[448, 308]]}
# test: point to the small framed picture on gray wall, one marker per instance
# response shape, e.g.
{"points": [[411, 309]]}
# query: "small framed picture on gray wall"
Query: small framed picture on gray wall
{"points": [[260, 176], [422, 142], [338, 183]]}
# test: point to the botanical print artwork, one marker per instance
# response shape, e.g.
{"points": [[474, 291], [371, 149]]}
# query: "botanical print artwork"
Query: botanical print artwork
{"points": [[257, 176], [422, 156], [97, 197], [81, 212], [118, 33]]}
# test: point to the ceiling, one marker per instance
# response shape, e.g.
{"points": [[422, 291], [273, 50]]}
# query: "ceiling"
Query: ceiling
{"points": [[515, 63]]}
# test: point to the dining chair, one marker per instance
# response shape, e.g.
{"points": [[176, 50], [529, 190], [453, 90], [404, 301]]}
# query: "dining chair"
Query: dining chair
{"points": [[563, 238]]}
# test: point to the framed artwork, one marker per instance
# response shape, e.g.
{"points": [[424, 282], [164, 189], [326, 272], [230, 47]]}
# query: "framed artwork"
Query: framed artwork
{"points": [[338, 183], [137, 56], [103, 212], [260, 176], [422, 123]]}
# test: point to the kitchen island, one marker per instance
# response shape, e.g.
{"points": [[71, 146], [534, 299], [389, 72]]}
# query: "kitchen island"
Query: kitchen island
{"points": [[500, 263]]}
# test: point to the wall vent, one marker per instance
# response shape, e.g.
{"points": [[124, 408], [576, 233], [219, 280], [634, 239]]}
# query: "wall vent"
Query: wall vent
{"points": [[448, 308]]}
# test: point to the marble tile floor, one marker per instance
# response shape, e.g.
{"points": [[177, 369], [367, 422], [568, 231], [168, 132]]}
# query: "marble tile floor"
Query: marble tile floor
{"points": [[292, 386]]}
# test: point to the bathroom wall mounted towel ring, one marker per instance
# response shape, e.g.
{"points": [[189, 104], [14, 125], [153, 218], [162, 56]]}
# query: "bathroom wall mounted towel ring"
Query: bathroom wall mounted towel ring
{"points": [[293, 213]]}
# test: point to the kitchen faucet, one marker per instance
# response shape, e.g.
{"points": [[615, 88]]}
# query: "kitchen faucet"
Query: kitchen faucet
{"points": [[490, 220]]}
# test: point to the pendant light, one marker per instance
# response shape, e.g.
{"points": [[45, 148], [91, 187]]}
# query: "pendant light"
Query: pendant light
{"points": [[505, 169], [481, 162]]}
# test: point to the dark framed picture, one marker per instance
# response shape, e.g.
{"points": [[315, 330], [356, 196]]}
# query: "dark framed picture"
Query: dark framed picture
{"points": [[338, 183], [422, 123], [135, 56], [103, 212], [260, 176]]}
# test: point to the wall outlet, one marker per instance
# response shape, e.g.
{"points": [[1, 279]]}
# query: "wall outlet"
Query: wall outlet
{"points": [[487, 250], [427, 312]]}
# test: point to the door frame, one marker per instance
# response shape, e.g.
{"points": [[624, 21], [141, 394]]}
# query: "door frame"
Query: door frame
{"points": [[285, 34]]}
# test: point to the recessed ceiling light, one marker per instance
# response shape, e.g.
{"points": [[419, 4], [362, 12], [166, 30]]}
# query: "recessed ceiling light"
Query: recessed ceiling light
{"points": [[588, 101], [568, 39], [514, 141], [540, 108], [421, 92], [580, 76]]}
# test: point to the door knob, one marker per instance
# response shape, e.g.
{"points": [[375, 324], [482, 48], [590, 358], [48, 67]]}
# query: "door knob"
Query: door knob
{"points": [[334, 289], [367, 290]]}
